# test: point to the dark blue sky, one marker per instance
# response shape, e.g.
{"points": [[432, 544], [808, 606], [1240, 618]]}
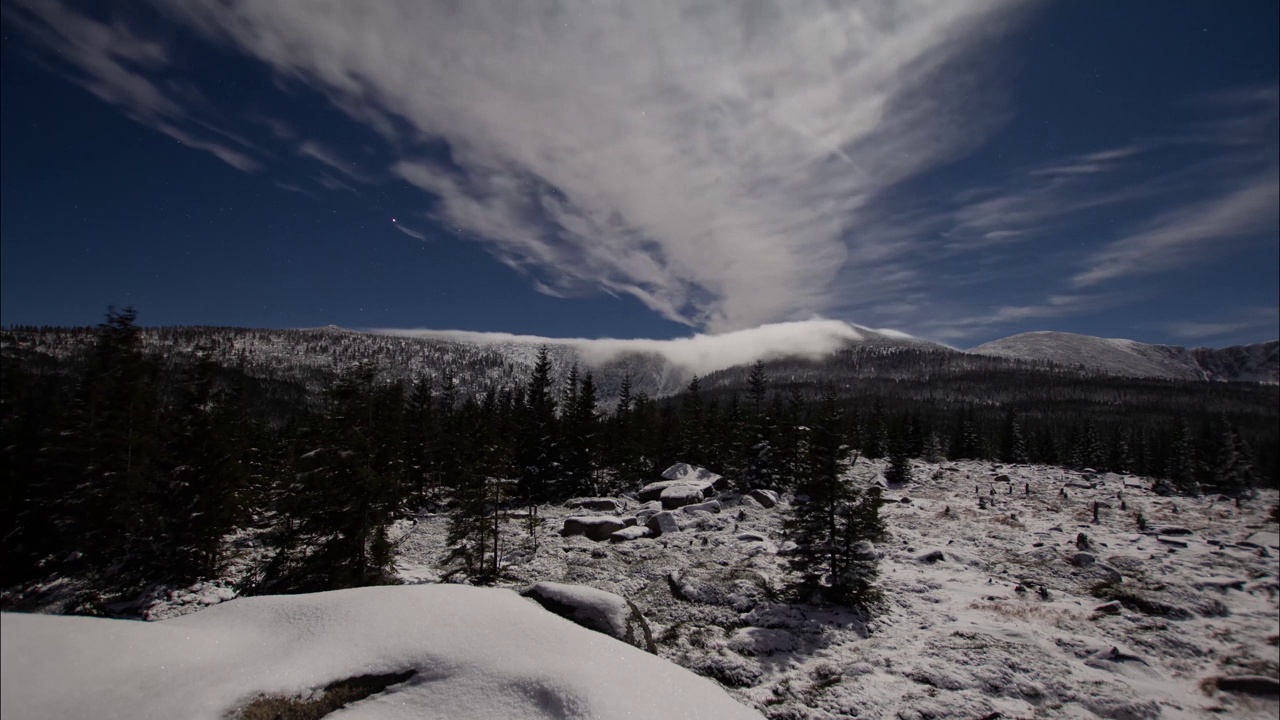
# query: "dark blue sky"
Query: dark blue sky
{"points": [[960, 172]]}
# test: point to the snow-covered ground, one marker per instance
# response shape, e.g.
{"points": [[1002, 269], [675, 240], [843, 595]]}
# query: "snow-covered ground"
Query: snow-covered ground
{"points": [[994, 603], [966, 630], [474, 653]]}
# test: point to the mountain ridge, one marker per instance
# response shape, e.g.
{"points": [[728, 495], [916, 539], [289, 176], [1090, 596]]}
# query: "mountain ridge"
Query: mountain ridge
{"points": [[1257, 362]]}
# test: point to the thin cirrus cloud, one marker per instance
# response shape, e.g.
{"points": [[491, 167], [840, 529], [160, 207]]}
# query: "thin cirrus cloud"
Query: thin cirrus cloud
{"points": [[708, 159], [109, 60], [1247, 319], [1176, 238]]}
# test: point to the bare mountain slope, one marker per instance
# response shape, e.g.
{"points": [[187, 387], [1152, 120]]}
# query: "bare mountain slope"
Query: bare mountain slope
{"points": [[1115, 356]]}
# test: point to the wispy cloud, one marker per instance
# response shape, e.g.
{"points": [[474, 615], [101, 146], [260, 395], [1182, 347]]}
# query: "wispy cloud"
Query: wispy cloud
{"points": [[328, 156], [111, 61], [415, 234], [1176, 238], [1250, 319], [709, 159]]}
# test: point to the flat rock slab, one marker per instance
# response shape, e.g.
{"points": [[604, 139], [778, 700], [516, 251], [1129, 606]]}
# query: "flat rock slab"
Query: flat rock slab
{"points": [[593, 527], [635, 532], [653, 491], [595, 504], [677, 496]]}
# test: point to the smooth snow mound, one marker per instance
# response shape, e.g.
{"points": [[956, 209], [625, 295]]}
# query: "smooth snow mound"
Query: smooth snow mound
{"points": [[477, 653]]}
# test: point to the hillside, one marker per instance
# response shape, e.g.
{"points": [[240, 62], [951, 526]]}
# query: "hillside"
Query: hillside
{"points": [[1129, 358]]}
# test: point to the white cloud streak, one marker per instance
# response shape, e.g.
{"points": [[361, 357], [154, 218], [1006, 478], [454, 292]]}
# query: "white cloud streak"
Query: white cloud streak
{"points": [[707, 158], [699, 354], [416, 235]]}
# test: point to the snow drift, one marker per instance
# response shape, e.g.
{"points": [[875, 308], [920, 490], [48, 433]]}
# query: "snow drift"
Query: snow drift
{"points": [[475, 653]]}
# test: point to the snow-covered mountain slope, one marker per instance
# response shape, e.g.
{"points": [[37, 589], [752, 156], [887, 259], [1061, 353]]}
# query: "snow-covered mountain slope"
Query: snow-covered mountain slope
{"points": [[474, 653], [1115, 356], [1137, 627]]}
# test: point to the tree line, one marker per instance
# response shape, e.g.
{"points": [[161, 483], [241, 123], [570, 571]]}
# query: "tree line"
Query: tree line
{"points": [[125, 468]]}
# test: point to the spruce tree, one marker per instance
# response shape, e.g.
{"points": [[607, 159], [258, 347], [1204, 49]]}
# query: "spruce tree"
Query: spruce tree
{"points": [[831, 522]]}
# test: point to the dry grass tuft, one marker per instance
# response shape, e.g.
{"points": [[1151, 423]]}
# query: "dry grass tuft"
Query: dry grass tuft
{"points": [[334, 696]]}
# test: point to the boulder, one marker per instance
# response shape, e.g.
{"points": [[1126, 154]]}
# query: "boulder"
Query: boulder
{"points": [[932, 556], [677, 496], [1002, 478], [1250, 684], [594, 527], [612, 505], [766, 498], [1109, 608], [1175, 531], [653, 491], [711, 506], [692, 475], [1261, 539], [595, 609], [1083, 559], [751, 537], [635, 532], [663, 522]]}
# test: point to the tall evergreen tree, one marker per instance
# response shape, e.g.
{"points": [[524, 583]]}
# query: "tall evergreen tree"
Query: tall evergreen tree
{"points": [[831, 522]]}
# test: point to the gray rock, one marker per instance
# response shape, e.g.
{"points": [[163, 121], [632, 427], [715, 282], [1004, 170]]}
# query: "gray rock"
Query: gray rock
{"points": [[594, 527], [635, 532], [932, 556], [766, 498], [1250, 684], [1175, 531], [595, 504], [595, 609], [1109, 608], [1002, 478], [1083, 559], [677, 496], [711, 506], [663, 522]]}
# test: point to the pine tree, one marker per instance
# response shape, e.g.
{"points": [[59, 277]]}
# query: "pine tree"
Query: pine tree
{"points": [[1181, 466], [898, 470], [1014, 442], [832, 523]]}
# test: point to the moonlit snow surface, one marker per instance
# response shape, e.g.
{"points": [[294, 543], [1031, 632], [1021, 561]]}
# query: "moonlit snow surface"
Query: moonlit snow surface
{"points": [[477, 653]]}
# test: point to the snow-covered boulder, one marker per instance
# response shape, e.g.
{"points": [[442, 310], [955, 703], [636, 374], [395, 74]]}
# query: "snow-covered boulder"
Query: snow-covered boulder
{"points": [[475, 653], [597, 504], [684, 472], [653, 491], [635, 532], [663, 522], [677, 496], [595, 609], [766, 498], [593, 527], [711, 506], [1262, 539]]}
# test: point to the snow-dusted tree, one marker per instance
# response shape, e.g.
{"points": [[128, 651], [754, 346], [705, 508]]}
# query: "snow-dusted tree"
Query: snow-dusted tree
{"points": [[831, 522], [898, 471], [1014, 442], [1180, 465]]}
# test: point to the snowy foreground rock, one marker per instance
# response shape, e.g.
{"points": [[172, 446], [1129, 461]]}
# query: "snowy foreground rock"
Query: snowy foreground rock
{"points": [[475, 653]]}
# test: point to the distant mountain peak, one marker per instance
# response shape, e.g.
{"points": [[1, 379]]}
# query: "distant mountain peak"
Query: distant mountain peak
{"points": [[1259, 362]]}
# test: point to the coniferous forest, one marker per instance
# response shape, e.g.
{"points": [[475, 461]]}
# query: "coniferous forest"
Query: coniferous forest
{"points": [[125, 467]]}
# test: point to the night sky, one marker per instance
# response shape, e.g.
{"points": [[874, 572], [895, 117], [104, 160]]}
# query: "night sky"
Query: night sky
{"points": [[960, 171]]}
